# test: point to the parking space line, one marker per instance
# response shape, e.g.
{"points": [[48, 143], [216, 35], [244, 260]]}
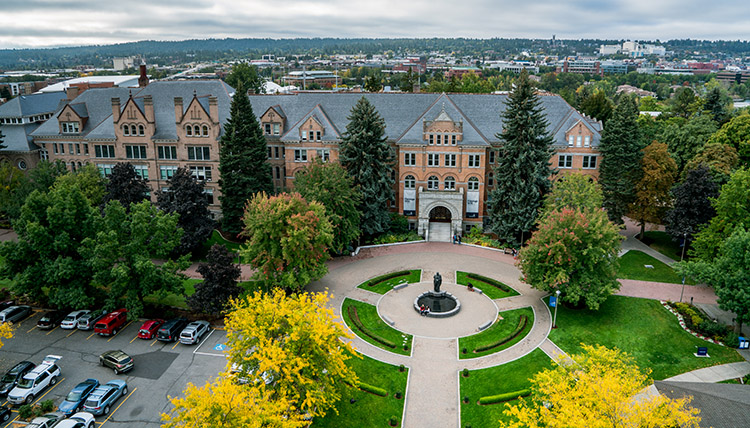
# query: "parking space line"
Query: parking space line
{"points": [[49, 390], [51, 331], [134, 339], [152, 343], [31, 329], [114, 335], [71, 333], [204, 340], [90, 335], [176, 343], [118, 407]]}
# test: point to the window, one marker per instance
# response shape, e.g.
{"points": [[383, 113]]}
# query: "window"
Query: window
{"points": [[453, 140], [70, 148], [267, 126], [205, 131], [43, 153], [168, 152], [189, 131], [276, 128], [450, 183], [450, 160], [141, 130], [433, 159], [209, 194], [201, 173], [473, 183], [132, 130], [323, 154], [409, 182], [167, 171], [141, 170], [276, 152], [439, 138], [570, 141], [433, 183], [492, 156], [126, 130], [303, 135], [410, 159], [300, 155], [473, 161], [54, 148], [78, 148], [85, 148], [589, 162], [270, 152], [196, 131], [70, 127], [199, 153], [278, 172], [318, 136], [578, 141], [102, 151], [587, 141], [491, 180], [105, 170], [432, 139], [565, 161], [135, 152]]}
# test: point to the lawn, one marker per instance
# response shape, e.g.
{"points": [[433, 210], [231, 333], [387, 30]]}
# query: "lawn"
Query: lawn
{"points": [[382, 287], [368, 314], [662, 242], [492, 291], [178, 300], [216, 238], [369, 410], [498, 331], [643, 329], [632, 266], [509, 377]]}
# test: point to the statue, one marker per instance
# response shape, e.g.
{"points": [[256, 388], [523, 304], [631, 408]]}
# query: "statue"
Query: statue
{"points": [[437, 280]]}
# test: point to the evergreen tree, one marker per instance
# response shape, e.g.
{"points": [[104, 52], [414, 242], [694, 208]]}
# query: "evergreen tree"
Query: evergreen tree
{"points": [[621, 159], [522, 169], [369, 159], [243, 163], [185, 197], [126, 186], [692, 204]]}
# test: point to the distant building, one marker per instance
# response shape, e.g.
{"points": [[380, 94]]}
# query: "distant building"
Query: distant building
{"points": [[613, 67], [123, 63], [633, 49], [23, 88], [609, 49], [581, 66], [514, 67], [95, 81], [628, 89], [458, 72], [325, 79], [417, 65], [738, 77]]}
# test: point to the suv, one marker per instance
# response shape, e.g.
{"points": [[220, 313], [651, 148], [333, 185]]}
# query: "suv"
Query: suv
{"points": [[35, 381], [71, 321], [14, 313], [170, 330], [109, 325], [13, 375], [50, 320], [103, 397], [194, 332], [117, 360], [87, 321]]}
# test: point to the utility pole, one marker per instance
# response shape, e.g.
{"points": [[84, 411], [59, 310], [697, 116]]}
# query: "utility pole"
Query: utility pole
{"points": [[684, 244]]}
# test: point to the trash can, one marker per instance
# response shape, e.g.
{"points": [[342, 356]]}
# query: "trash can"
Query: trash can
{"points": [[744, 343]]}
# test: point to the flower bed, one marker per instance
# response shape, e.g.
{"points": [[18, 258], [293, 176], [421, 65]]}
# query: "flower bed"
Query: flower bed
{"points": [[691, 321]]}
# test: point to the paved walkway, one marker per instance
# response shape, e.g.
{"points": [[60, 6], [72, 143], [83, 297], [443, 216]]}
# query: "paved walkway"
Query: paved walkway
{"points": [[714, 374]]}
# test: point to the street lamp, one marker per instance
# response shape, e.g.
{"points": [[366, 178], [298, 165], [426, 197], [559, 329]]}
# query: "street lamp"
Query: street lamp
{"points": [[682, 256], [557, 303]]}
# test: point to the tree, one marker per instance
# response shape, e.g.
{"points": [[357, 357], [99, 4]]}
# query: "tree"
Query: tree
{"points": [[576, 191], [372, 84], [652, 197], [597, 106], [243, 163], [6, 332], [720, 158], [597, 389], [244, 77], [732, 210], [408, 80], [736, 133], [716, 105], [5, 93], [296, 340], [692, 204], [88, 180], [648, 104], [288, 240], [219, 283], [185, 197], [46, 173], [13, 183], [121, 253], [684, 103], [331, 186], [573, 251], [369, 160], [621, 157], [126, 186], [522, 169], [686, 138]]}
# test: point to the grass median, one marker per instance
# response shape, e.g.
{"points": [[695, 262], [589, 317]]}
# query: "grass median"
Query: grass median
{"points": [[491, 288], [499, 331], [368, 315], [385, 283], [633, 266]]}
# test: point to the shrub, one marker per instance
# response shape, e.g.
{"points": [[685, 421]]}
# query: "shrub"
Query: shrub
{"points": [[372, 389], [401, 368], [398, 395], [392, 238], [494, 399], [465, 372], [25, 411], [489, 281], [355, 318], [47, 406], [519, 328], [464, 350], [732, 340], [393, 421], [466, 398]]}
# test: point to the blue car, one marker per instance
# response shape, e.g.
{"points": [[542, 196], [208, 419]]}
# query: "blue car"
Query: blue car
{"points": [[77, 397], [104, 397]]}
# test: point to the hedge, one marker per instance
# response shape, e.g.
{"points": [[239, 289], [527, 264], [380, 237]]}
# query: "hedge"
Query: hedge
{"points": [[489, 281], [494, 399], [386, 277], [519, 328], [372, 389], [355, 317]]}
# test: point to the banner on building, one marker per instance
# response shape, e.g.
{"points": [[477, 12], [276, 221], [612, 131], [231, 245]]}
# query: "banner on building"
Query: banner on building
{"points": [[472, 204], [410, 202]]}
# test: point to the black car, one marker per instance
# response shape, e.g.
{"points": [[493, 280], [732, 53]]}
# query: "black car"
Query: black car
{"points": [[170, 330], [4, 413], [50, 319], [9, 381], [6, 304]]}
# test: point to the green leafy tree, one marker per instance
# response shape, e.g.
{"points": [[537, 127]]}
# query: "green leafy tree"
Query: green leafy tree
{"points": [[407, 81], [692, 204], [684, 103], [522, 168], [621, 159], [89, 180], [736, 133], [46, 173], [575, 252], [244, 77], [13, 182], [243, 163], [648, 104], [373, 84], [597, 106], [720, 158], [330, 185], [288, 240], [686, 138], [219, 284], [369, 160], [576, 191], [122, 252], [652, 197], [126, 186]]}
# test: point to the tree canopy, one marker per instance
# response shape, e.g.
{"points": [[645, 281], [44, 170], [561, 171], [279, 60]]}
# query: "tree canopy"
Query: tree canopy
{"points": [[686, 137], [692, 204], [219, 284], [722, 159], [88, 180], [126, 186], [652, 197], [245, 77], [576, 191], [736, 133]]}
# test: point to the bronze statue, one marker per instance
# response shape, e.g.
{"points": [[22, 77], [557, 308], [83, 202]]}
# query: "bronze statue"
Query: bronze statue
{"points": [[437, 280]]}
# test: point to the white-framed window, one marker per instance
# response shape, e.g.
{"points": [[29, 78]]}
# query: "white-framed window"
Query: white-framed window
{"points": [[300, 155], [570, 140], [474, 161], [105, 169], [473, 184], [141, 170], [578, 141], [323, 154], [196, 131], [167, 152], [70, 127], [439, 139], [432, 139], [167, 171], [133, 130], [409, 182], [492, 155], [78, 148], [587, 141], [141, 130], [276, 152], [86, 148], [433, 159], [267, 127], [103, 151], [270, 152], [126, 130], [450, 183], [70, 148], [135, 152], [199, 153], [303, 135], [276, 128], [410, 159], [43, 153], [565, 161], [205, 130], [189, 131], [433, 183], [491, 179], [453, 140], [589, 162], [201, 173], [209, 194], [450, 160]]}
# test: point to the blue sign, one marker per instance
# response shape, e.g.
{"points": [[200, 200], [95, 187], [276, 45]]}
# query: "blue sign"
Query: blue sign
{"points": [[553, 301], [220, 347]]}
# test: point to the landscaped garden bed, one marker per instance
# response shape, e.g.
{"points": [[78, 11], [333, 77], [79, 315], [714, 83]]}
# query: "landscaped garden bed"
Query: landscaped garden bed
{"points": [[491, 288], [508, 331], [364, 321], [697, 323], [385, 283]]}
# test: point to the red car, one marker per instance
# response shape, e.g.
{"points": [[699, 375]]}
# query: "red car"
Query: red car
{"points": [[149, 328], [110, 324]]}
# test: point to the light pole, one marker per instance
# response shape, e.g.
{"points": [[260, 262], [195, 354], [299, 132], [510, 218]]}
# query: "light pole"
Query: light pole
{"points": [[682, 256], [557, 303]]}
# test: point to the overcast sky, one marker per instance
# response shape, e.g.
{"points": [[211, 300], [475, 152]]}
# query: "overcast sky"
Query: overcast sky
{"points": [[41, 23]]}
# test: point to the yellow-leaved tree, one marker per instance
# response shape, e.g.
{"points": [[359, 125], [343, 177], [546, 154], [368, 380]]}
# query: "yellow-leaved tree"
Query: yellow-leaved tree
{"points": [[599, 388], [6, 332]]}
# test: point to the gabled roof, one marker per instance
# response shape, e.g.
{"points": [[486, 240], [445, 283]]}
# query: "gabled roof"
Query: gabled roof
{"points": [[443, 109], [721, 405], [17, 139], [31, 105], [330, 132]]}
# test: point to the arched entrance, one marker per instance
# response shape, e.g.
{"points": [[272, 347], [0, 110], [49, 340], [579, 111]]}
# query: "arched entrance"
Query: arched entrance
{"points": [[440, 214]]}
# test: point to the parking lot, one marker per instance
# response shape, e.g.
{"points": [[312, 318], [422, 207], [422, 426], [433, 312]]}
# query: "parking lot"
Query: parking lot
{"points": [[161, 369]]}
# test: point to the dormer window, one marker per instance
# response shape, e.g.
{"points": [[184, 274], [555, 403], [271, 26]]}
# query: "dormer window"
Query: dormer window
{"points": [[189, 131], [133, 130], [197, 131], [205, 131], [70, 128], [141, 130], [126, 130]]}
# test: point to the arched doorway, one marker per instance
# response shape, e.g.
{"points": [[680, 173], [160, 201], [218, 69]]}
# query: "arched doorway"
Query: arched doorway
{"points": [[440, 214]]}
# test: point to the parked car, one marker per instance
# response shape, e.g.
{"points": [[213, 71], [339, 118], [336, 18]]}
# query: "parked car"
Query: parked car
{"points": [[15, 314], [79, 420], [5, 413], [71, 320], [111, 323], [170, 330], [149, 328], [87, 321], [46, 421], [6, 304], [103, 397], [50, 320], [77, 396], [117, 360], [13, 375], [35, 381], [194, 332]]}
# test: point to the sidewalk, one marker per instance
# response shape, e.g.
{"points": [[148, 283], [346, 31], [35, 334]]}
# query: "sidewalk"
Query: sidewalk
{"points": [[714, 374]]}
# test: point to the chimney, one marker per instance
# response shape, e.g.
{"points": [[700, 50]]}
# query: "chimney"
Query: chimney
{"points": [[115, 110], [148, 107], [213, 109], [178, 110], [143, 79], [72, 92]]}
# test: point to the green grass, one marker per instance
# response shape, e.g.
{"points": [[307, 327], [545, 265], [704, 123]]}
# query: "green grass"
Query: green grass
{"points": [[368, 314], [498, 331], [216, 238], [178, 300], [383, 287], [488, 289], [662, 242], [369, 410], [643, 329], [509, 377], [632, 266]]}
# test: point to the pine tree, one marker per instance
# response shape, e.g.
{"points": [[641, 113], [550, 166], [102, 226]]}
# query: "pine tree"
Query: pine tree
{"points": [[243, 162], [621, 159], [522, 168], [369, 159]]}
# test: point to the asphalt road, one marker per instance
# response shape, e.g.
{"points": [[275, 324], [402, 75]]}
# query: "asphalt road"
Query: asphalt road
{"points": [[161, 370]]}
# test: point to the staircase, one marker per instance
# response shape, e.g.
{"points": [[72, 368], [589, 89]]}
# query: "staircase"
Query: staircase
{"points": [[440, 232]]}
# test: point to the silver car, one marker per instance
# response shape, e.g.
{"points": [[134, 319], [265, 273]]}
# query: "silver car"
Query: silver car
{"points": [[194, 332], [71, 320]]}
